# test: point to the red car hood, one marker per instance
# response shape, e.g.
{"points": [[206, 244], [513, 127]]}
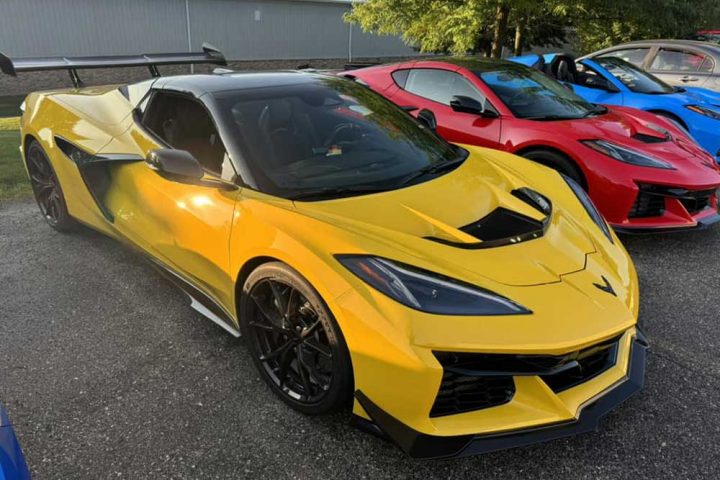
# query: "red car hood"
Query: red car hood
{"points": [[638, 130]]}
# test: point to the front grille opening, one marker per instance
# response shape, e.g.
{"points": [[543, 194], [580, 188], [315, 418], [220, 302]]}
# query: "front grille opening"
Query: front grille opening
{"points": [[589, 364], [650, 201], [463, 393], [697, 202], [473, 381], [647, 205]]}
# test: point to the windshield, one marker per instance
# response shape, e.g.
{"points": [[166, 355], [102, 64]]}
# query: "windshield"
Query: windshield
{"points": [[329, 137], [530, 94], [633, 77]]}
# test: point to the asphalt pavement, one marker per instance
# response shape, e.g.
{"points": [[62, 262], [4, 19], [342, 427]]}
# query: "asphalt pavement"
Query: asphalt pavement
{"points": [[107, 373]]}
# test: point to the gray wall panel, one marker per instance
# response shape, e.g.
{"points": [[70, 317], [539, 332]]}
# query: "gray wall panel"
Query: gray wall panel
{"points": [[283, 30], [91, 27]]}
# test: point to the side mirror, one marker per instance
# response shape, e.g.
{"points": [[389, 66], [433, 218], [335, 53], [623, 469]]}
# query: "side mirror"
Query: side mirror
{"points": [[427, 117], [176, 165], [463, 104]]}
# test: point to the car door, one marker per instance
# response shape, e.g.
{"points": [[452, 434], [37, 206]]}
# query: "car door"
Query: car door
{"points": [[682, 66], [184, 227], [432, 89]]}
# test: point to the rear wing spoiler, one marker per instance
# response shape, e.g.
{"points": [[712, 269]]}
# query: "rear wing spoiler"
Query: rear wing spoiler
{"points": [[12, 67]]}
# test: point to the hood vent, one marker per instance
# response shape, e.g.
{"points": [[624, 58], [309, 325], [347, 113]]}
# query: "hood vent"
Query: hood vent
{"points": [[642, 137], [505, 227], [502, 223]]}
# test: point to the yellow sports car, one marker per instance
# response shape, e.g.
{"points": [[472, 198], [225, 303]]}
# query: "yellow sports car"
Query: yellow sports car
{"points": [[463, 299]]}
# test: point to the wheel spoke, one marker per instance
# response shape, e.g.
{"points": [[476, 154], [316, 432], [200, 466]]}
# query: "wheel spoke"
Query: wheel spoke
{"points": [[264, 311], [279, 301], [304, 378], [313, 343], [268, 327], [285, 361], [278, 351]]}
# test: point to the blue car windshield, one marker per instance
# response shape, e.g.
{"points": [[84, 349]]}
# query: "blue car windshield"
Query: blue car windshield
{"points": [[532, 95], [636, 79]]}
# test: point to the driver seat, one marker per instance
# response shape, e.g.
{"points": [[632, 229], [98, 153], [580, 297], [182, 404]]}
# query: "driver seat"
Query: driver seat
{"points": [[280, 130]]}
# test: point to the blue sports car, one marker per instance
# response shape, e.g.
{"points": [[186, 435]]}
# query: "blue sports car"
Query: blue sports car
{"points": [[12, 461], [614, 81]]}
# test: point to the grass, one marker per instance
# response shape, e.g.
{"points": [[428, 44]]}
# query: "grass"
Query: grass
{"points": [[13, 179]]}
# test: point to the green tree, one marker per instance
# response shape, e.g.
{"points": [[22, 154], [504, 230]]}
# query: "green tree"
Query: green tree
{"points": [[470, 26]]}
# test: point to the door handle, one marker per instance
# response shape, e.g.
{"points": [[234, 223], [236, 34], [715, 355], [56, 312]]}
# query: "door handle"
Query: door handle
{"points": [[688, 78]]}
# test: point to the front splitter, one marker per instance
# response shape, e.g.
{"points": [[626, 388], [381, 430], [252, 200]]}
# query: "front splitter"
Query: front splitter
{"points": [[421, 445]]}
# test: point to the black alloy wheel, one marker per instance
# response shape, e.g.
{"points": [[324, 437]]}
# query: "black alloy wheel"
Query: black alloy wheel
{"points": [[294, 340], [47, 190]]}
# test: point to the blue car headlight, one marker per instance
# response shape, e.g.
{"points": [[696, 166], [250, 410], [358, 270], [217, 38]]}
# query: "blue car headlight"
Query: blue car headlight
{"points": [[708, 112], [427, 291], [626, 155], [589, 207]]}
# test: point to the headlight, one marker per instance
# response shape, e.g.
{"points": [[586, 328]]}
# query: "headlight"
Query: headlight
{"points": [[426, 291], [626, 155], [589, 207], [708, 112]]}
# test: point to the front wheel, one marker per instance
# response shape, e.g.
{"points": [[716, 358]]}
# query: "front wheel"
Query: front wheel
{"points": [[558, 162], [47, 190], [295, 342]]}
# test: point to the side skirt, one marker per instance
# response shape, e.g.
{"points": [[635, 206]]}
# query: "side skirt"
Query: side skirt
{"points": [[199, 301]]}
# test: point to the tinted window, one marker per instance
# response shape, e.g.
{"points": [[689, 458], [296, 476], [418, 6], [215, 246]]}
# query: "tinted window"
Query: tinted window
{"points": [[328, 133], [632, 55], [184, 124], [682, 61], [400, 77], [529, 93], [440, 85], [634, 78]]}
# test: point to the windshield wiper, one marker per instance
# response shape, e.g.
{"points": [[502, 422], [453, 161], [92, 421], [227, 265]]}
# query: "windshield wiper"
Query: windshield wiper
{"points": [[596, 110], [551, 117], [430, 169], [337, 192]]}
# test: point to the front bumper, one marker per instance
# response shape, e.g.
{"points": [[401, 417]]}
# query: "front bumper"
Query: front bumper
{"points": [[421, 445]]}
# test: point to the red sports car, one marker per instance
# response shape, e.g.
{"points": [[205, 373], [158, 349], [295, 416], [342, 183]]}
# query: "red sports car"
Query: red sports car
{"points": [[644, 173]]}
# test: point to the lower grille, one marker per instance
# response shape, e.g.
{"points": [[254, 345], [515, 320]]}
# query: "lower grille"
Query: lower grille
{"points": [[472, 381], [650, 201], [697, 201], [460, 393], [588, 364], [647, 205]]}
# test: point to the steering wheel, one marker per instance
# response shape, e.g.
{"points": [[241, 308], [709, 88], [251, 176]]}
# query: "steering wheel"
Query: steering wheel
{"points": [[342, 129]]}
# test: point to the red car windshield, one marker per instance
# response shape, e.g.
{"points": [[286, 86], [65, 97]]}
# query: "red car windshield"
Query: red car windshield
{"points": [[532, 95]]}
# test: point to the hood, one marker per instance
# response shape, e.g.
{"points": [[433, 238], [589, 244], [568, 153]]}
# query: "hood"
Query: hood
{"points": [[646, 133], [700, 96], [441, 223]]}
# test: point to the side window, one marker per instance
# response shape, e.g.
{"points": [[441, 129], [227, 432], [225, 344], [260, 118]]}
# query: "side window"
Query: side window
{"points": [[183, 123], [440, 85], [400, 77], [635, 56], [682, 61]]}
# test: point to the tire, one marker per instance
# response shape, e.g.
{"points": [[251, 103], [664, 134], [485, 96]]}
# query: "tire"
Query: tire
{"points": [[294, 340], [558, 162], [47, 189]]}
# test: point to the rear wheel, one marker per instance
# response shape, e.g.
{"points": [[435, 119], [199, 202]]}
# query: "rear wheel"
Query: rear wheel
{"points": [[47, 190], [558, 162], [295, 342]]}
